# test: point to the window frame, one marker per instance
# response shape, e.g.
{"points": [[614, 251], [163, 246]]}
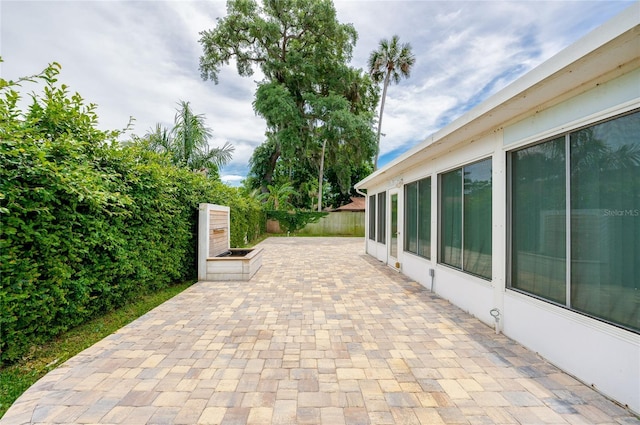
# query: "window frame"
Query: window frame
{"points": [[373, 221], [440, 253], [405, 244], [566, 134], [381, 217]]}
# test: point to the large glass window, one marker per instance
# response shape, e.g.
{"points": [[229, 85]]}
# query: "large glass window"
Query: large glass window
{"points": [[382, 217], [465, 218], [451, 218], [424, 217], [417, 217], [605, 220], [411, 217], [477, 230], [372, 217], [538, 216], [598, 273]]}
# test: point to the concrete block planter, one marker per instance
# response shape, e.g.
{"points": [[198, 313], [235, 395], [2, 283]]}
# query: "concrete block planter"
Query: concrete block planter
{"points": [[216, 260], [239, 264]]}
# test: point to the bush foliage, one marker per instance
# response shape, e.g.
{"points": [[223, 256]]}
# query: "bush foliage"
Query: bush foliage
{"points": [[292, 221], [87, 224]]}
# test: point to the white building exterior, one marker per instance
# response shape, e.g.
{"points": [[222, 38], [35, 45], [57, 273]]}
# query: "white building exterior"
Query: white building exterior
{"points": [[560, 257]]}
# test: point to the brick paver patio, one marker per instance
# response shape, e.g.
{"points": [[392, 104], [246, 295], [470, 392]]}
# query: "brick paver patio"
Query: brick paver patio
{"points": [[322, 334]]}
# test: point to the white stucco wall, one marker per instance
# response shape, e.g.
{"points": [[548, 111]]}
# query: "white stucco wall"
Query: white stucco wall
{"points": [[599, 354]]}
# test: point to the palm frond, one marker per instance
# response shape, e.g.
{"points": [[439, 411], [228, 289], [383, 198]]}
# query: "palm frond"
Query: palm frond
{"points": [[159, 139], [219, 156]]}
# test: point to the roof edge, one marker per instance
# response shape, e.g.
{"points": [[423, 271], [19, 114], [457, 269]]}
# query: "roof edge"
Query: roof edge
{"points": [[625, 21]]}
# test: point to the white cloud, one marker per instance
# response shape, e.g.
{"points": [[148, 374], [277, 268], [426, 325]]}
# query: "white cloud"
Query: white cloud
{"points": [[232, 179], [139, 58], [465, 51]]}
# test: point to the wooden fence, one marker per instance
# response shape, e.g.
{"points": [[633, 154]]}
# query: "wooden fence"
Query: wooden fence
{"points": [[344, 223]]}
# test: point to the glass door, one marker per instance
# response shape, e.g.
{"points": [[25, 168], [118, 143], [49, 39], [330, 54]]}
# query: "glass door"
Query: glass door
{"points": [[393, 239]]}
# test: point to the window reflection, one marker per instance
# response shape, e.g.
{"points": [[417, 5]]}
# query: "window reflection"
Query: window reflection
{"points": [[604, 185]]}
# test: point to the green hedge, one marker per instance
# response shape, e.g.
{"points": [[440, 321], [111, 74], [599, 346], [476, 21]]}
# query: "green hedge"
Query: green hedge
{"points": [[85, 224], [292, 221]]}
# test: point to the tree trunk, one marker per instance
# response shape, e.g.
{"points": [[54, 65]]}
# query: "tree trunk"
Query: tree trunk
{"points": [[268, 177], [320, 176], [384, 96]]}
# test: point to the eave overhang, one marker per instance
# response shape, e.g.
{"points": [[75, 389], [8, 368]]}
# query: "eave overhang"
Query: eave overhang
{"points": [[611, 50]]}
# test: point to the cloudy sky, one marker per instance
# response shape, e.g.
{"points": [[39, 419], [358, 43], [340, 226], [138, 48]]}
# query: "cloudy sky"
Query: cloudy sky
{"points": [[139, 58]]}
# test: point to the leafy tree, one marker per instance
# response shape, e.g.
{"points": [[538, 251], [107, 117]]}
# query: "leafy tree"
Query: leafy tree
{"points": [[339, 113], [390, 62], [338, 177], [263, 164], [187, 143], [308, 90], [277, 197], [282, 37], [341, 135]]}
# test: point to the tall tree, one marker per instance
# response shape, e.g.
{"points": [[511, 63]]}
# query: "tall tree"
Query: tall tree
{"points": [[345, 138], [391, 62], [187, 143], [337, 126], [302, 50]]}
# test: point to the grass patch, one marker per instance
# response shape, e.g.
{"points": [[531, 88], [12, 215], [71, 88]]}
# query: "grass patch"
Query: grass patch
{"points": [[17, 378]]}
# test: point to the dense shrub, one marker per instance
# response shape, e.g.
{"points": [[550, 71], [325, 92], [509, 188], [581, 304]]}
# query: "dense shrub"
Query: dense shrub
{"points": [[292, 221], [85, 224]]}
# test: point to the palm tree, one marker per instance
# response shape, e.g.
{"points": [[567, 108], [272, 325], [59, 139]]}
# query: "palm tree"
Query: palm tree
{"points": [[159, 139], [391, 61], [277, 197], [187, 143]]}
